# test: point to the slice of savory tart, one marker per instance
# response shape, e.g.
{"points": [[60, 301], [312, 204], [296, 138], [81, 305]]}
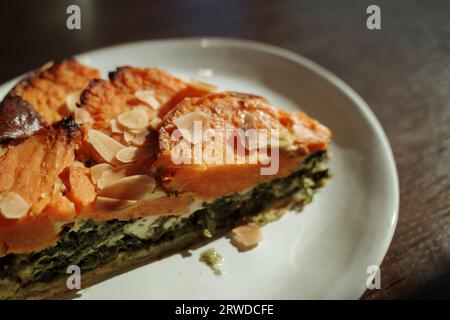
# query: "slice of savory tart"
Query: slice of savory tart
{"points": [[148, 164]]}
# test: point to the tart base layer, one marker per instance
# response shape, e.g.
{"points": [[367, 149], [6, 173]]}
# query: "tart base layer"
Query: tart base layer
{"points": [[102, 250]]}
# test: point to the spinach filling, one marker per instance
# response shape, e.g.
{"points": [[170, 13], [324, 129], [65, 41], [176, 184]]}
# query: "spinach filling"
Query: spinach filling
{"points": [[92, 244]]}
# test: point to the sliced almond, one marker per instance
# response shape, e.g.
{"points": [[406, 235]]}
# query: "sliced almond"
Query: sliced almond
{"points": [[111, 176], [140, 138], [115, 126], [109, 204], [148, 97], [13, 206], [82, 116], [71, 101], [154, 123], [202, 86], [98, 170], [78, 164], [106, 146], [44, 195], [130, 188], [128, 136], [134, 119], [108, 177], [132, 154], [156, 194], [189, 121], [59, 185], [247, 236]]}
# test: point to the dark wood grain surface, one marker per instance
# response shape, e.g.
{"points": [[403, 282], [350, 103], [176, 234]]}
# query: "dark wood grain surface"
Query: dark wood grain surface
{"points": [[402, 71]]}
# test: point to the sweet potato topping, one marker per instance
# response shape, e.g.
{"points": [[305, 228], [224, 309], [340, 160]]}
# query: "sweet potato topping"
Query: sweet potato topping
{"points": [[129, 87], [106, 100], [232, 111], [33, 166], [47, 89], [32, 169], [81, 190]]}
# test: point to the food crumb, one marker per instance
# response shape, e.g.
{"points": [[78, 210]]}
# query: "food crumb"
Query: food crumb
{"points": [[213, 260], [246, 237]]}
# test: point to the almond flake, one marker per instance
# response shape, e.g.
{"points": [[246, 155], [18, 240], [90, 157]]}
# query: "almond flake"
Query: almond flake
{"points": [[247, 236], [189, 121], [82, 116], [78, 164], [134, 119], [132, 154], [106, 146], [107, 178], [148, 97], [110, 204], [156, 194], [71, 101], [13, 206], [44, 195], [59, 185], [115, 126], [201, 86], [155, 123], [113, 175], [128, 136], [130, 188], [98, 170], [140, 138]]}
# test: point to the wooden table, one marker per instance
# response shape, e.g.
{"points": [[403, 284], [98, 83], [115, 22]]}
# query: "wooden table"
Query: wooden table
{"points": [[402, 71]]}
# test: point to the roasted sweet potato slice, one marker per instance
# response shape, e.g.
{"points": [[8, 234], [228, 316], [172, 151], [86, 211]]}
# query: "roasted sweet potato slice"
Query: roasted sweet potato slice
{"points": [[298, 136], [129, 87], [41, 98], [31, 169]]}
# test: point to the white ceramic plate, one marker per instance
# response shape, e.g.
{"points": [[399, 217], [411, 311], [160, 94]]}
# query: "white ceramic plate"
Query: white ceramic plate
{"points": [[323, 252]]}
